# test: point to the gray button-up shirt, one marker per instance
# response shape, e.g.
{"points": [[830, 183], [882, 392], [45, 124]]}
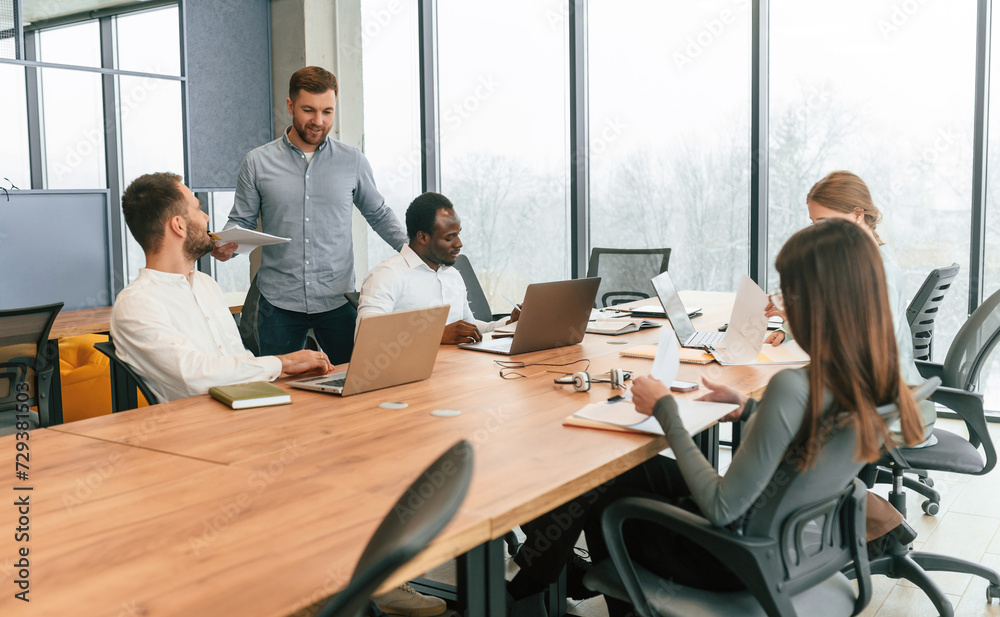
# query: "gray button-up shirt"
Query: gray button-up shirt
{"points": [[311, 204]]}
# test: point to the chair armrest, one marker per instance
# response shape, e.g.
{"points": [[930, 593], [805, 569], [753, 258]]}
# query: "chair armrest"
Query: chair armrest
{"points": [[969, 407], [930, 369], [497, 316], [747, 557]]}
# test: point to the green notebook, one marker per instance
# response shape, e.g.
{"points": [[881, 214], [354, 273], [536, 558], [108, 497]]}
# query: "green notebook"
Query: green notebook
{"points": [[255, 394]]}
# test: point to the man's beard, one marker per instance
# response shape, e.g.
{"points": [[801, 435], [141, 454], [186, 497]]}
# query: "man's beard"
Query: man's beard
{"points": [[304, 134], [197, 245]]}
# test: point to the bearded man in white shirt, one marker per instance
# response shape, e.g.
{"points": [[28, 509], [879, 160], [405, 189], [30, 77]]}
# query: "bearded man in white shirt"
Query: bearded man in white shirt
{"points": [[172, 324], [422, 274]]}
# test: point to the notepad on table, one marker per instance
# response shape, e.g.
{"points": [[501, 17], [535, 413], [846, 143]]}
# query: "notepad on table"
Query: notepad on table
{"points": [[695, 415], [254, 394], [648, 352], [615, 327]]}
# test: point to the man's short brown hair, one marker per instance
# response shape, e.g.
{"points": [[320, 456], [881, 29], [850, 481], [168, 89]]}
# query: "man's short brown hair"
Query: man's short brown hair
{"points": [[148, 203], [312, 79]]}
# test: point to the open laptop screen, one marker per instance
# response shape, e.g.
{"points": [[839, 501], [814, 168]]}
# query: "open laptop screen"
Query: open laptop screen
{"points": [[673, 306]]}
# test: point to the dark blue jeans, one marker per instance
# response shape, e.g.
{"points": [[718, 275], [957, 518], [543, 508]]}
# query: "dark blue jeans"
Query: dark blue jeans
{"points": [[280, 331]]}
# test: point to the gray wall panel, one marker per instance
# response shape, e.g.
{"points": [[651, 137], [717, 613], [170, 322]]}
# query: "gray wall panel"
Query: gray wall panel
{"points": [[229, 86], [55, 247]]}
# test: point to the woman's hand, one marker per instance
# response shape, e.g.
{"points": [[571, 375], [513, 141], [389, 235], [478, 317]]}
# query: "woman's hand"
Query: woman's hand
{"points": [[775, 338], [720, 393], [646, 391], [772, 311]]}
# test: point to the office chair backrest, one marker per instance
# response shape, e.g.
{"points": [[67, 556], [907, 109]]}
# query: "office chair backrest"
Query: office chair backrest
{"points": [[248, 318], [24, 335], [924, 308], [625, 273], [124, 381], [353, 298], [798, 508], [477, 298], [407, 529], [972, 345]]}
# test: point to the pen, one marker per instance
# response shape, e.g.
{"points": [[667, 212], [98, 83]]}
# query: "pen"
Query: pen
{"points": [[515, 305], [214, 237]]}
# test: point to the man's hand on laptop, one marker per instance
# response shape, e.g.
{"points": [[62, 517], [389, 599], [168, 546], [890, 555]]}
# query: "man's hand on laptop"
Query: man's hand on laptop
{"points": [[305, 360], [460, 332]]}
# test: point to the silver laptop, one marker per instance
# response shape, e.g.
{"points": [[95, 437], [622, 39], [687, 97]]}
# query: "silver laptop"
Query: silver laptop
{"points": [[390, 349], [552, 315], [678, 316]]}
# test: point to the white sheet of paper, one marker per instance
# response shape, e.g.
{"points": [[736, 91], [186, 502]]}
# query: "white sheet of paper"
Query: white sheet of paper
{"points": [[248, 239], [667, 361], [747, 325]]}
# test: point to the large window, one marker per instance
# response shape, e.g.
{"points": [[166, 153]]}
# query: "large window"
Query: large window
{"points": [[392, 107], [15, 167], [72, 129], [503, 93], [669, 134], [891, 100]]}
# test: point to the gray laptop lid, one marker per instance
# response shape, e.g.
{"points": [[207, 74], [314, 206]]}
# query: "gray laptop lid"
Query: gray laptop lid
{"points": [[395, 348], [673, 307], [554, 314]]}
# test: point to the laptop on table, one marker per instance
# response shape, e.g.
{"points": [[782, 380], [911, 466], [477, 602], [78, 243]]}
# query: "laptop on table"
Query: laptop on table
{"points": [[390, 350], [552, 315], [678, 316]]}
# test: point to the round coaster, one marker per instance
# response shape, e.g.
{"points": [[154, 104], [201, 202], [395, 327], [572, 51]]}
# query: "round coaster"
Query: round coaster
{"points": [[617, 342], [393, 405], [445, 413]]}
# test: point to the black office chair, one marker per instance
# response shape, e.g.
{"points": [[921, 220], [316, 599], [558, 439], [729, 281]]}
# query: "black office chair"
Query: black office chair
{"points": [[400, 539], [24, 359], [924, 307], [125, 382], [248, 318], [353, 298], [625, 273], [477, 297], [793, 542], [959, 376]]}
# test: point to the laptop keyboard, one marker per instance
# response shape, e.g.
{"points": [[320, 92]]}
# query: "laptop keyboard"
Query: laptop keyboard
{"points": [[333, 383], [705, 337]]}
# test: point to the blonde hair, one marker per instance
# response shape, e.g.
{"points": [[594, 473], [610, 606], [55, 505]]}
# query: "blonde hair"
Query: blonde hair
{"points": [[845, 192]]}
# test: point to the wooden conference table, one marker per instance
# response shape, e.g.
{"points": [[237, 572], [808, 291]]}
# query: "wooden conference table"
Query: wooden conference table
{"points": [[190, 508]]}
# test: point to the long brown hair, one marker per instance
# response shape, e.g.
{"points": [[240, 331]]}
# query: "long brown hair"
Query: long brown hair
{"points": [[837, 305], [844, 191]]}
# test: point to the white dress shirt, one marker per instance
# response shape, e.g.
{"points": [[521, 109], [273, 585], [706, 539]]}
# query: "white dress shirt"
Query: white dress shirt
{"points": [[403, 282], [177, 333]]}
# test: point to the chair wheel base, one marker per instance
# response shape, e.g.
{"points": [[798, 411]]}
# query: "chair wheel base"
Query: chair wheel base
{"points": [[931, 508], [992, 591]]}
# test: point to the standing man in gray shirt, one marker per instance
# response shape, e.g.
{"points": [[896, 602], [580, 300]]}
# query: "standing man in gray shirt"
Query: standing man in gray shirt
{"points": [[302, 186]]}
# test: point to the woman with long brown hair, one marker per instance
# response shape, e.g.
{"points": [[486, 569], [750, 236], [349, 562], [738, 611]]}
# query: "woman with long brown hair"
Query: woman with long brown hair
{"points": [[834, 293]]}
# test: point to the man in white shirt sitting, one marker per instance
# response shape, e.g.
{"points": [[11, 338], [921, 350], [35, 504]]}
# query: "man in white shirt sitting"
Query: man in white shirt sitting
{"points": [[421, 275], [172, 324]]}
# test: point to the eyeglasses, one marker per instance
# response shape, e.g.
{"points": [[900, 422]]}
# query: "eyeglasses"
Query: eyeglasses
{"points": [[777, 300]]}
